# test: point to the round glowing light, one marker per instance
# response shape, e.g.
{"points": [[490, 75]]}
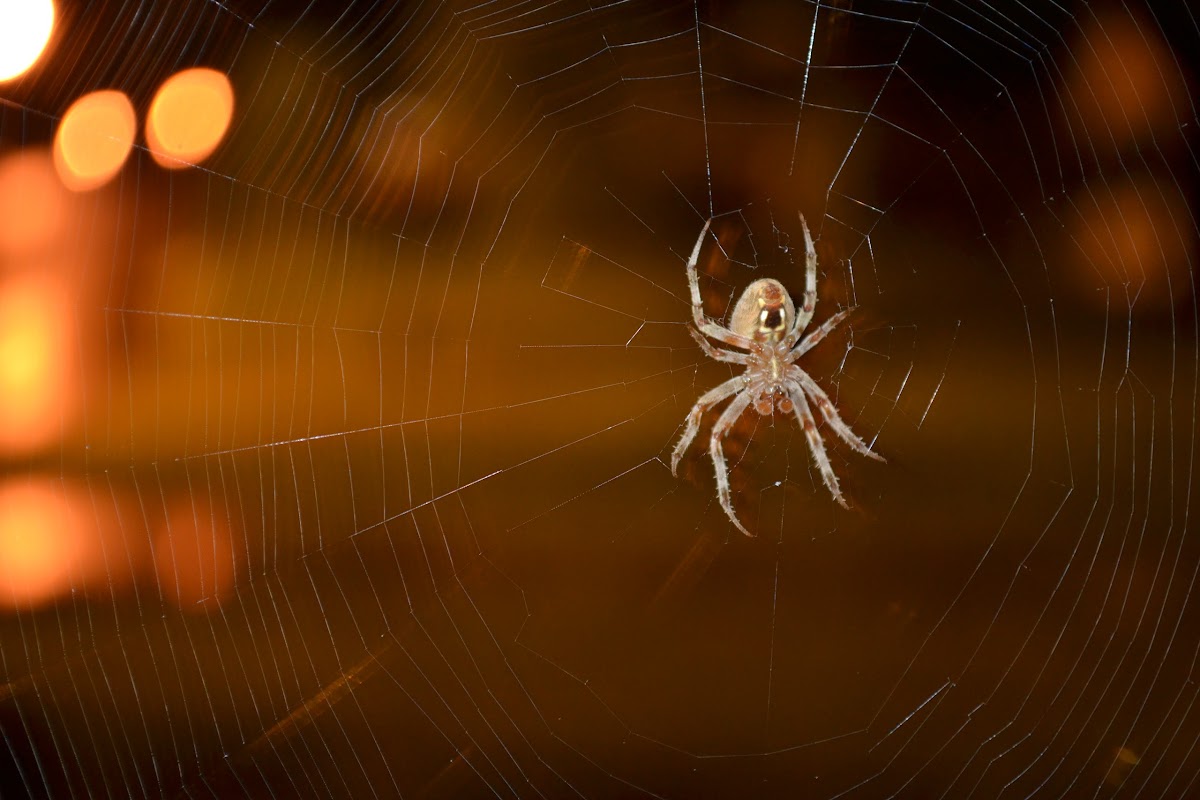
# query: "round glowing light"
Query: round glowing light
{"points": [[194, 556], [42, 543], [1124, 78], [1134, 235], [25, 27], [33, 208], [34, 348], [189, 117], [94, 139]]}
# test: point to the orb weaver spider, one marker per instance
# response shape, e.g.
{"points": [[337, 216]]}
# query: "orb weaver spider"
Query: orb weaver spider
{"points": [[765, 324]]}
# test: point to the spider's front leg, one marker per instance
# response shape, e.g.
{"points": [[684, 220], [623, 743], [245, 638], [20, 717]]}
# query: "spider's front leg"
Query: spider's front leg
{"points": [[815, 444], [703, 323], [724, 423], [708, 399], [830, 413]]}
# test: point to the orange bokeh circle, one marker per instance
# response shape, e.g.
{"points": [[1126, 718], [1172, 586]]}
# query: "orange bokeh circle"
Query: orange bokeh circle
{"points": [[189, 116], [94, 139]]}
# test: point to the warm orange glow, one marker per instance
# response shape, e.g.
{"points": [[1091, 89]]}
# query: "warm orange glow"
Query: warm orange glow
{"points": [[1134, 237], [189, 116], [1126, 80], [42, 543], [94, 139], [34, 349], [194, 556], [33, 211], [25, 27]]}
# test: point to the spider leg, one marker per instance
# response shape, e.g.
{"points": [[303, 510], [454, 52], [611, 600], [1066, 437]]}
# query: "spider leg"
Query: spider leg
{"points": [[705, 325], [831, 415], [814, 338], [808, 305], [815, 444], [717, 353], [709, 398], [724, 423]]}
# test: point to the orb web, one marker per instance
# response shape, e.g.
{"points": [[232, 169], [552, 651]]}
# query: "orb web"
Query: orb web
{"points": [[355, 476]]}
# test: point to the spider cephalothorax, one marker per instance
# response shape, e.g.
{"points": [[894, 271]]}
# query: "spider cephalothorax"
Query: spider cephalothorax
{"points": [[766, 325]]}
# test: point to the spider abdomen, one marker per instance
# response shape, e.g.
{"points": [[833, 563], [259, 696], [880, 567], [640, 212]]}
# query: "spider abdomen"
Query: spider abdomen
{"points": [[764, 312]]}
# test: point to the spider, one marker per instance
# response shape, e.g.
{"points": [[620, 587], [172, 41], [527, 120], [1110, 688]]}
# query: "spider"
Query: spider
{"points": [[764, 322]]}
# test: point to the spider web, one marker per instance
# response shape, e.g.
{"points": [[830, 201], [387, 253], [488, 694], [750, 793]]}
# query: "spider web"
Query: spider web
{"points": [[416, 338]]}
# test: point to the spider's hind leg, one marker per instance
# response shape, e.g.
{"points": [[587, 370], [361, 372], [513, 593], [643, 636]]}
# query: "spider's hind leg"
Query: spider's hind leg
{"points": [[716, 353], [808, 303], [703, 323]]}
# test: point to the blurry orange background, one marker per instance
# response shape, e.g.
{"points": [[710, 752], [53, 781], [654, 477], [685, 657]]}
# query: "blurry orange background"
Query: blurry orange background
{"points": [[342, 351]]}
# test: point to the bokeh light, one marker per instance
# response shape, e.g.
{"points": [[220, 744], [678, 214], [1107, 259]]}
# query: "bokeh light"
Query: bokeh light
{"points": [[189, 117], [94, 139], [42, 543], [25, 27], [1124, 84], [33, 209], [1132, 235], [35, 337], [194, 556]]}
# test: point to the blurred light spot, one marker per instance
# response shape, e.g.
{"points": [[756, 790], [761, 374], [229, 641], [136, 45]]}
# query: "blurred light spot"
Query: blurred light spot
{"points": [[194, 556], [1134, 237], [25, 27], [33, 210], [34, 348], [1125, 79], [1123, 763], [188, 117], [94, 139], [41, 542]]}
